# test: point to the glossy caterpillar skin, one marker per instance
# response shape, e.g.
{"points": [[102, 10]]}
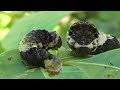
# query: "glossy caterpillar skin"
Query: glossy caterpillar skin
{"points": [[84, 39], [34, 50]]}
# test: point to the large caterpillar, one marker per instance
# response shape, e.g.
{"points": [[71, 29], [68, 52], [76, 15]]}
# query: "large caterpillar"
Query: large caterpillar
{"points": [[84, 39], [34, 50]]}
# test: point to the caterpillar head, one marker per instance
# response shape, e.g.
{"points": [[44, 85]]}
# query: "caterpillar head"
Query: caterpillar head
{"points": [[83, 32], [56, 41], [82, 38]]}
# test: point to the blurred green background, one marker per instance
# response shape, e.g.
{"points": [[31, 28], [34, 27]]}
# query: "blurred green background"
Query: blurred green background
{"points": [[106, 21], [7, 19]]}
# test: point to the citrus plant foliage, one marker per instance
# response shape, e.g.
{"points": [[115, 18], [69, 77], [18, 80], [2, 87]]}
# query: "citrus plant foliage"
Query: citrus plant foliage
{"points": [[102, 66]]}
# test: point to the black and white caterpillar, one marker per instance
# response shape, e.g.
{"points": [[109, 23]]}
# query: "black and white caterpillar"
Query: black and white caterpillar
{"points": [[34, 50], [84, 39]]}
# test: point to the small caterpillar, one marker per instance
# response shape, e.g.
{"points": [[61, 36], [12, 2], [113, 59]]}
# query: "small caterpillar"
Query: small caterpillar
{"points": [[84, 39], [34, 48]]}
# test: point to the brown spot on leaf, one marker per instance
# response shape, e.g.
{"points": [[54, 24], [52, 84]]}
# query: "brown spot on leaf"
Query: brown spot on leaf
{"points": [[110, 76], [9, 58]]}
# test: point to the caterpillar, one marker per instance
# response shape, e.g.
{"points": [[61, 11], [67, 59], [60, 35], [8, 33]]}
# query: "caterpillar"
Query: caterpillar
{"points": [[34, 48], [84, 39]]}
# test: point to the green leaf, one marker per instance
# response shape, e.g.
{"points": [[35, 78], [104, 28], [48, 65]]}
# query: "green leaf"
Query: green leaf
{"points": [[71, 72], [111, 58], [66, 55], [41, 20], [103, 65], [12, 67], [98, 71], [1, 49]]}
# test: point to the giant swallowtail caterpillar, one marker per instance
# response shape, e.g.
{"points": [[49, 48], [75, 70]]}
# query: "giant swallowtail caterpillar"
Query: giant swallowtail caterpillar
{"points": [[84, 39], [34, 48]]}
